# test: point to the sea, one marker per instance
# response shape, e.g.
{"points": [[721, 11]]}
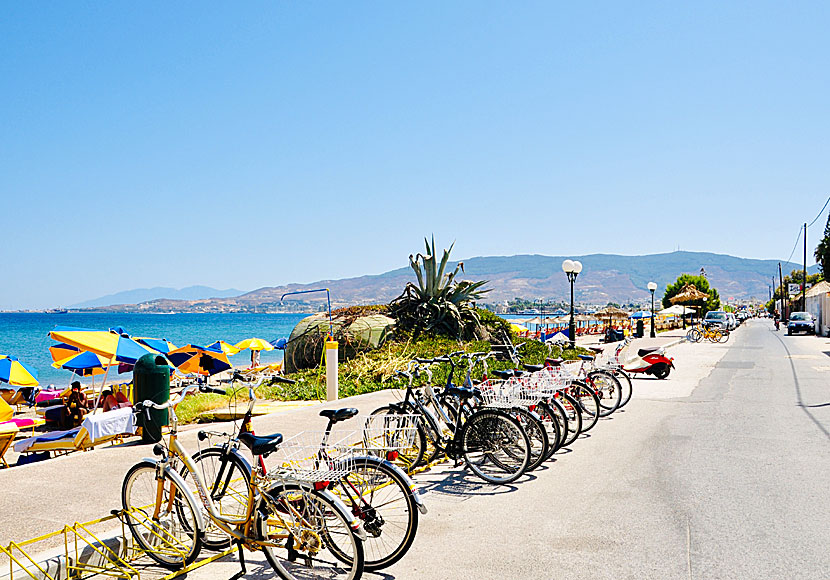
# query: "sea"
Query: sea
{"points": [[26, 335]]}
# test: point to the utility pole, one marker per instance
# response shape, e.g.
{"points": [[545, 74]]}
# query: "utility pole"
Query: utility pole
{"points": [[804, 278], [781, 279]]}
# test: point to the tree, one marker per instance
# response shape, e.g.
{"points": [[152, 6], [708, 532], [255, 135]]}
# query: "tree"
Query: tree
{"points": [[822, 253], [702, 284]]}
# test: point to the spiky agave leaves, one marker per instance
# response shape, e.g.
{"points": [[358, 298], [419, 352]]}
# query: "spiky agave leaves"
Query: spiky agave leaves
{"points": [[438, 303]]}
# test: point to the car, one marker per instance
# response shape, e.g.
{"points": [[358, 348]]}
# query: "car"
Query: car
{"points": [[718, 318], [801, 322], [731, 321]]}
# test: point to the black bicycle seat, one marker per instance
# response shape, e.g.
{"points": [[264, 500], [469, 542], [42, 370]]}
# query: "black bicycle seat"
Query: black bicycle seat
{"points": [[554, 362], [460, 392], [645, 351], [596, 349], [503, 374], [337, 415], [533, 368], [585, 357], [261, 445]]}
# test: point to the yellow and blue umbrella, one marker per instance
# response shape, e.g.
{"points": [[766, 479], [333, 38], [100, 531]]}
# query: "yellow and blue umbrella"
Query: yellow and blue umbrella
{"points": [[17, 373], [254, 344], [199, 359], [108, 343], [162, 345], [228, 349], [83, 364]]}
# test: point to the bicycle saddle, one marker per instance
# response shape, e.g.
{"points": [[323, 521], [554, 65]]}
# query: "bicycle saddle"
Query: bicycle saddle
{"points": [[596, 349], [645, 351], [585, 357], [460, 392], [554, 362], [337, 415], [503, 374], [261, 445], [533, 368]]}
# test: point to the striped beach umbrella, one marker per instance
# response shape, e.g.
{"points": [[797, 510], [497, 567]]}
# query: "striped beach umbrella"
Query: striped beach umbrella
{"points": [[254, 344], [161, 345], [228, 349], [83, 364], [199, 359], [17, 373], [108, 343]]}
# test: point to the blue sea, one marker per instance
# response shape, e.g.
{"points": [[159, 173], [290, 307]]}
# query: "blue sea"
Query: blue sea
{"points": [[26, 335]]}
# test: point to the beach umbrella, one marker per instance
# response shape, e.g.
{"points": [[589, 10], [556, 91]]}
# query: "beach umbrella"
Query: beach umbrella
{"points": [[280, 343], [225, 347], [611, 312], [199, 359], [161, 345], [254, 344], [83, 364], [17, 373], [676, 310], [108, 343], [517, 328], [62, 351], [640, 314]]}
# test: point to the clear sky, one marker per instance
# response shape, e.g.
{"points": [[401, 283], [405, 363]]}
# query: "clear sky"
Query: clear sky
{"points": [[254, 144]]}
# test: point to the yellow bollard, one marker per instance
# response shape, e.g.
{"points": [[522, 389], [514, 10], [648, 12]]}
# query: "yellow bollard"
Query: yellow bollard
{"points": [[331, 370]]}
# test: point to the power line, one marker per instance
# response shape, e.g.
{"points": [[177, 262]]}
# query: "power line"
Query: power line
{"points": [[796, 244], [819, 213]]}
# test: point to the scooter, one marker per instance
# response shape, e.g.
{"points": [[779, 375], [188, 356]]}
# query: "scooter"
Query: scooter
{"points": [[651, 361]]}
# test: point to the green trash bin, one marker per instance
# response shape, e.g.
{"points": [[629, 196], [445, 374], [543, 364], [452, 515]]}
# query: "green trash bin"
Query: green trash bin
{"points": [[151, 380], [640, 328]]}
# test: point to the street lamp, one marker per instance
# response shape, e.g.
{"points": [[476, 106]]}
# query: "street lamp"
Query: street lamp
{"points": [[652, 286], [572, 268]]}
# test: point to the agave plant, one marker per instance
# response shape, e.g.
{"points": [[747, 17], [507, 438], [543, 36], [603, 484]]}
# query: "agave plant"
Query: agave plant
{"points": [[438, 303]]}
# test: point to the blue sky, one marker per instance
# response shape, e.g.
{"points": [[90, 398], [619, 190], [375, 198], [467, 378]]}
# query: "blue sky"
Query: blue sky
{"points": [[244, 145]]}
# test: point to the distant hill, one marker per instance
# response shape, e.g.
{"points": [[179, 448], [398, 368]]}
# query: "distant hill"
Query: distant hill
{"points": [[147, 294], [605, 278]]}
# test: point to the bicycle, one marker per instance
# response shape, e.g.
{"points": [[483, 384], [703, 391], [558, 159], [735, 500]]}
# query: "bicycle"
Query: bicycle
{"points": [[490, 442], [378, 493], [301, 527]]}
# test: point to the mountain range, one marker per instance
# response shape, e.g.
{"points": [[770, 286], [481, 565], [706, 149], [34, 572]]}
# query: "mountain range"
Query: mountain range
{"points": [[604, 278], [147, 294]]}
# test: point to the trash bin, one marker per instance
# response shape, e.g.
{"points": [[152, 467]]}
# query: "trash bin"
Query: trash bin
{"points": [[640, 328], [151, 380]]}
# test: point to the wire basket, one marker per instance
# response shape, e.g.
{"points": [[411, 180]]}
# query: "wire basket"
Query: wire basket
{"points": [[382, 434], [507, 394], [304, 458]]}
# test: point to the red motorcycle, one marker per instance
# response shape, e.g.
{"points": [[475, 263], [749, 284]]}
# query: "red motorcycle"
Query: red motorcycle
{"points": [[651, 361]]}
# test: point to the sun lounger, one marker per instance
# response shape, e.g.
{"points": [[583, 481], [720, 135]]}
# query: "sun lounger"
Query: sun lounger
{"points": [[7, 434], [96, 429]]}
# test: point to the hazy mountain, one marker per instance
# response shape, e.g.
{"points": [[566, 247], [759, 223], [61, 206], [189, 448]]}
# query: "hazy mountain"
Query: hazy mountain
{"points": [[147, 294], [604, 278]]}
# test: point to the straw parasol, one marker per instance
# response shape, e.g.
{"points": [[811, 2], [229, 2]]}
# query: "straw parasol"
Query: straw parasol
{"points": [[611, 312], [689, 293]]}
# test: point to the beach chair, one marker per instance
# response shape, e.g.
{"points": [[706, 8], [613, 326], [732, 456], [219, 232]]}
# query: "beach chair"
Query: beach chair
{"points": [[7, 418], [8, 432], [95, 430]]}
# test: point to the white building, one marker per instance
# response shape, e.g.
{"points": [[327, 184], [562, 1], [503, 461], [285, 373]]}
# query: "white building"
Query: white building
{"points": [[818, 304]]}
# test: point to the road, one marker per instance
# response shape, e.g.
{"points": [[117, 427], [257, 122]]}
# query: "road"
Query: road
{"points": [[727, 481]]}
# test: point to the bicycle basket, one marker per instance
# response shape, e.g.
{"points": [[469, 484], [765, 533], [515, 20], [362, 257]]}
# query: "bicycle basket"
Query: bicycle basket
{"points": [[303, 457], [507, 394], [382, 434]]}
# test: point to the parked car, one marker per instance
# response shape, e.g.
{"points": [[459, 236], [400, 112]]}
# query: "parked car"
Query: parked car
{"points": [[718, 318], [801, 322], [731, 321]]}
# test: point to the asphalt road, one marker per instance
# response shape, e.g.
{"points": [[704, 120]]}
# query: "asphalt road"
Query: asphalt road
{"points": [[727, 481], [720, 471]]}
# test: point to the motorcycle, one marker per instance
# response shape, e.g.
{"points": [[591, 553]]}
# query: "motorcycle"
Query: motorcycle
{"points": [[651, 360]]}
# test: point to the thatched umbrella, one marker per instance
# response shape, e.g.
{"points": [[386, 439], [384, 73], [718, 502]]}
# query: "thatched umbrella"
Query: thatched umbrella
{"points": [[689, 293], [611, 312]]}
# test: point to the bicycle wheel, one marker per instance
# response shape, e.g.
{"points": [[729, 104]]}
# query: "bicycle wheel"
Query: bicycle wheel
{"points": [[588, 404], [167, 533], [694, 335], [307, 534], [608, 389], [411, 457], [380, 498], [724, 336], [554, 424], [625, 383], [713, 335], [228, 480], [495, 446], [570, 407], [537, 435]]}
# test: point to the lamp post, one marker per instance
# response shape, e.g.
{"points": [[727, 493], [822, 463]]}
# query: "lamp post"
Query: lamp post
{"points": [[652, 286], [572, 268]]}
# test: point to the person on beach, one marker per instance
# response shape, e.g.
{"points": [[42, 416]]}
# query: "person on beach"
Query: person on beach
{"points": [[74, 407], [254, 358]]}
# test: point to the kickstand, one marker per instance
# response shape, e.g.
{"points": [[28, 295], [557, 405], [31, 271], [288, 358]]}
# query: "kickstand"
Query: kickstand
{"points": [[244, 570]]}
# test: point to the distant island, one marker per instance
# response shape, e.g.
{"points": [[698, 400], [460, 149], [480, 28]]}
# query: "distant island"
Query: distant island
{"points": [[605, 278]]}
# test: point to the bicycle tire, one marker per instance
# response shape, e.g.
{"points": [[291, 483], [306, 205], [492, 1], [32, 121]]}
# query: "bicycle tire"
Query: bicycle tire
{"points": [[570, 407], [494, 438], [724, 336], [537, 435], [588, 404], [608, 390], [413, 457], [554, 425], [172, 539], [307, 534], [228, 480], [627, 386], [391, 515], [694, 335]]}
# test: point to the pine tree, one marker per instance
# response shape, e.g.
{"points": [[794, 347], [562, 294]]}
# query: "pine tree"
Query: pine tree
{"points": [[822, 253]]}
